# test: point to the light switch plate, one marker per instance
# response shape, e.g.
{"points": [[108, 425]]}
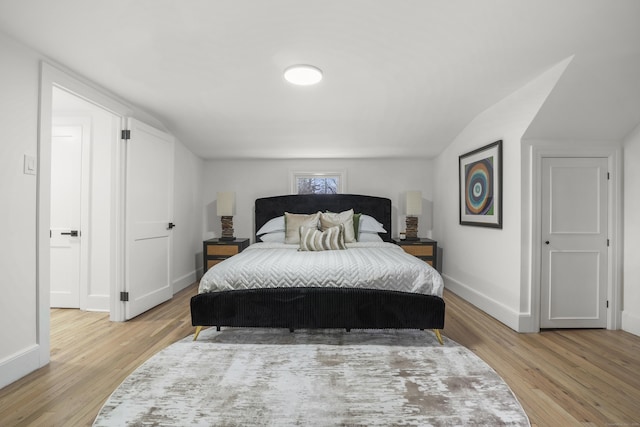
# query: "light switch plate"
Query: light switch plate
{"points": [[29, 165]]}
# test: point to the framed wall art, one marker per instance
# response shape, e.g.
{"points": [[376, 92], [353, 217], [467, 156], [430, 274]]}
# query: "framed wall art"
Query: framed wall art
{"points": [[480, 174]]}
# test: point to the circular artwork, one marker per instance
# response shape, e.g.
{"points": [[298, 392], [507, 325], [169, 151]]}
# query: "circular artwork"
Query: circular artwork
{"points": [[478, 193]]}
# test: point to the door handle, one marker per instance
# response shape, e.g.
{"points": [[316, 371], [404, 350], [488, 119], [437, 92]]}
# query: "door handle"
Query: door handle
{"points": [[72, 233], [171, 225]]}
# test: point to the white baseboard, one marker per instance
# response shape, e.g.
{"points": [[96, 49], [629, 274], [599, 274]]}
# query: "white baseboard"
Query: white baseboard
{"points": [[495, 309], [98, 303], [631, 322], [182, 282], [18, 365]]}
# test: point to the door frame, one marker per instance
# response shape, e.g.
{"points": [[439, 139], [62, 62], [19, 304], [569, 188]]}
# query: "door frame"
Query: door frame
{"points": [[50, 77], [613, 153]]}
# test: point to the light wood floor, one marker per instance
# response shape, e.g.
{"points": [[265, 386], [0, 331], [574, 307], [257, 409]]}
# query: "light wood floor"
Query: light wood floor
{"points": [[562, 378]]}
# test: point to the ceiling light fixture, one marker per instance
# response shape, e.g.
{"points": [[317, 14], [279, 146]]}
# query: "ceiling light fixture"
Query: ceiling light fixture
{"points": [[303, 75]]}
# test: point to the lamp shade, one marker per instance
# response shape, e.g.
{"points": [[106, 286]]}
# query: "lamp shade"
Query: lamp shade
{"points": [[414, 203], [226, 203]]}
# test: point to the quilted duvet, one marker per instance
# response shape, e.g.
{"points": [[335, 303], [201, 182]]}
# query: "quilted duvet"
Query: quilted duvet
{"points": [[375, 265]]}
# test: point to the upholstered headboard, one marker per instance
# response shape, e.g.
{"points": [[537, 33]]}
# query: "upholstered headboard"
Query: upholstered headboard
{"points": [[271, 207]]}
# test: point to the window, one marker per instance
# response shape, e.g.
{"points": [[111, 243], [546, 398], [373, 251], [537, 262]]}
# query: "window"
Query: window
{"points": [[317, 182]]}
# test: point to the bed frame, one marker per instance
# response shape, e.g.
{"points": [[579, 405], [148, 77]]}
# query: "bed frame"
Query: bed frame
{"points": [[318, 308]]}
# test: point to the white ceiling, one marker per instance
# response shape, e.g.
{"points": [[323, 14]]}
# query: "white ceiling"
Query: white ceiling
{"points": [[401, 78]]}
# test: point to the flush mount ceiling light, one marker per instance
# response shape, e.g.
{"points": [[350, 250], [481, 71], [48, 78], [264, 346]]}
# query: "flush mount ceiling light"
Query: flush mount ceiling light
{"points": [[303, 75]]}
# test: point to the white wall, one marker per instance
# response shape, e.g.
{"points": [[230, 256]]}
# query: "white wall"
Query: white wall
{"points": [[18, 124], [187, 202], [483, 265], [631, 308], [252, 179], [20, 342]]}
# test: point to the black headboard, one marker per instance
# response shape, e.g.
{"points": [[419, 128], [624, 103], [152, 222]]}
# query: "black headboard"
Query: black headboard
{"points": [[272, 207]]}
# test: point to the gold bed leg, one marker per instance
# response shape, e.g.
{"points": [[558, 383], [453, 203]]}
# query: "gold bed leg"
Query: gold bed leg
{"points": [[437, 332], [198, 329]]}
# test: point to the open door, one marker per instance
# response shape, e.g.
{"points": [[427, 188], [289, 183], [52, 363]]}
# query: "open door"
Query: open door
{"points": [[148, 216]]}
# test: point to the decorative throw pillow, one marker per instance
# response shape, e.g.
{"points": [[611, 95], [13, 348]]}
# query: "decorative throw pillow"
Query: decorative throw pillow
{"points": [[312, 239], [331, 219], [356, 224], [293, 222]]}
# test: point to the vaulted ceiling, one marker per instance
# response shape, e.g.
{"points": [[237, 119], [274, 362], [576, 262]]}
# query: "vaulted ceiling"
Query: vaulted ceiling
{"points": [[401, 78]]}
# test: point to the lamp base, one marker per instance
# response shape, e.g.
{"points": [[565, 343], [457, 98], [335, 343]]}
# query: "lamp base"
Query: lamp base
{"points": [[226, 238], [412, 228], [227, 228]]}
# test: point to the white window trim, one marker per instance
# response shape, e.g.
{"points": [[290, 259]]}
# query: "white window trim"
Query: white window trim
{"points": [[340, 174]]}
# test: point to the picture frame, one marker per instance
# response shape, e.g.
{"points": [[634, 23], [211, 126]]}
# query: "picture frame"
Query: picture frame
{"points": [[480, 191]]}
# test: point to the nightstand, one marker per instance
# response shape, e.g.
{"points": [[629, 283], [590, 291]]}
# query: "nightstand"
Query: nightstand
{"points": [[216, 250], [425, 249]]}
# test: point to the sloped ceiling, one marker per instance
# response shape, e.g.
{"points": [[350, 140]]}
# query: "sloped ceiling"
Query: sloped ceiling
{"points": [[401, 78]]}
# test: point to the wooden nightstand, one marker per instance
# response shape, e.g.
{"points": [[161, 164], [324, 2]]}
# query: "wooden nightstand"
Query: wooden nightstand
{"points": [[425, 249], [216, 250]]}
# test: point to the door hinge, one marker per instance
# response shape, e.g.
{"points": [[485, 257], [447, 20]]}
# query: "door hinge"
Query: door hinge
{"points": [[124, 296], [126, 134], [607, 242], [608, 175], [607, 303]]}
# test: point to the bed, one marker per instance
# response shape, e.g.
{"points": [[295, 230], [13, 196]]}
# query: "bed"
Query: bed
{"points": [[299, 300]]}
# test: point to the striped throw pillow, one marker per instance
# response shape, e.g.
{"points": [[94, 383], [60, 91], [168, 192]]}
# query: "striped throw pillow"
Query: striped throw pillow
{"points": [[312, 239]]}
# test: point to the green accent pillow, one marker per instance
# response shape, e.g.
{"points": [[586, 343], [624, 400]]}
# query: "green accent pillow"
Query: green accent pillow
{"points": [[356, 225]]}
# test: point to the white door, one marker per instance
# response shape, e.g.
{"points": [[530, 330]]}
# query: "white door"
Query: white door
{"points": [[66, 190], [149, 210], [573, 292]]}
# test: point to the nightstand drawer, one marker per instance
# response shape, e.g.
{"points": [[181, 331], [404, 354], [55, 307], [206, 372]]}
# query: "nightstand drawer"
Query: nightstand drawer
{"points": [[425, 249], [222, 250], [214, 251], [418, 250], [212, 262]]}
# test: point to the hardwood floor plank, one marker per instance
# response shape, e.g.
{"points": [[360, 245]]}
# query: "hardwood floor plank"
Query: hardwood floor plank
{"points": [[567, 367], [561, 377]]}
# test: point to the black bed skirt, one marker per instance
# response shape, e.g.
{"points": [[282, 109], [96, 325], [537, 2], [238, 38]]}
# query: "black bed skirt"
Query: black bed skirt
{"points": [[311, 308]]}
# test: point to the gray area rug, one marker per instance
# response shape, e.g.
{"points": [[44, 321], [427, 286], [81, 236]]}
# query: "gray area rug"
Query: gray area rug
{"points": [[243, 377]]}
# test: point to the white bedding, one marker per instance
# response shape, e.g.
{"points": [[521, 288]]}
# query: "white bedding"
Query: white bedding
{"points": [[374, 265]]}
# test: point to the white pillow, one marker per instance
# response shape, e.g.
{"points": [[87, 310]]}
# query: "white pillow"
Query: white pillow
{"points": [[331, 219], [368, 224], [273, 225], [275, 237], [370, 237]]}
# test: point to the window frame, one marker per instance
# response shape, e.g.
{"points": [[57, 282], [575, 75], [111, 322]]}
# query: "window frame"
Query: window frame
{"points": [[341, 176]]}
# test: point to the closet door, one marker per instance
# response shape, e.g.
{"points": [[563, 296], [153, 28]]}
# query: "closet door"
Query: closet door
{"points": [[573, 292]]}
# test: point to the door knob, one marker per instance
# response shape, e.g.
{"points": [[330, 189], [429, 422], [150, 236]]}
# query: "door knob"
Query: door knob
{"points": [[546, 243], [171, 225]]}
